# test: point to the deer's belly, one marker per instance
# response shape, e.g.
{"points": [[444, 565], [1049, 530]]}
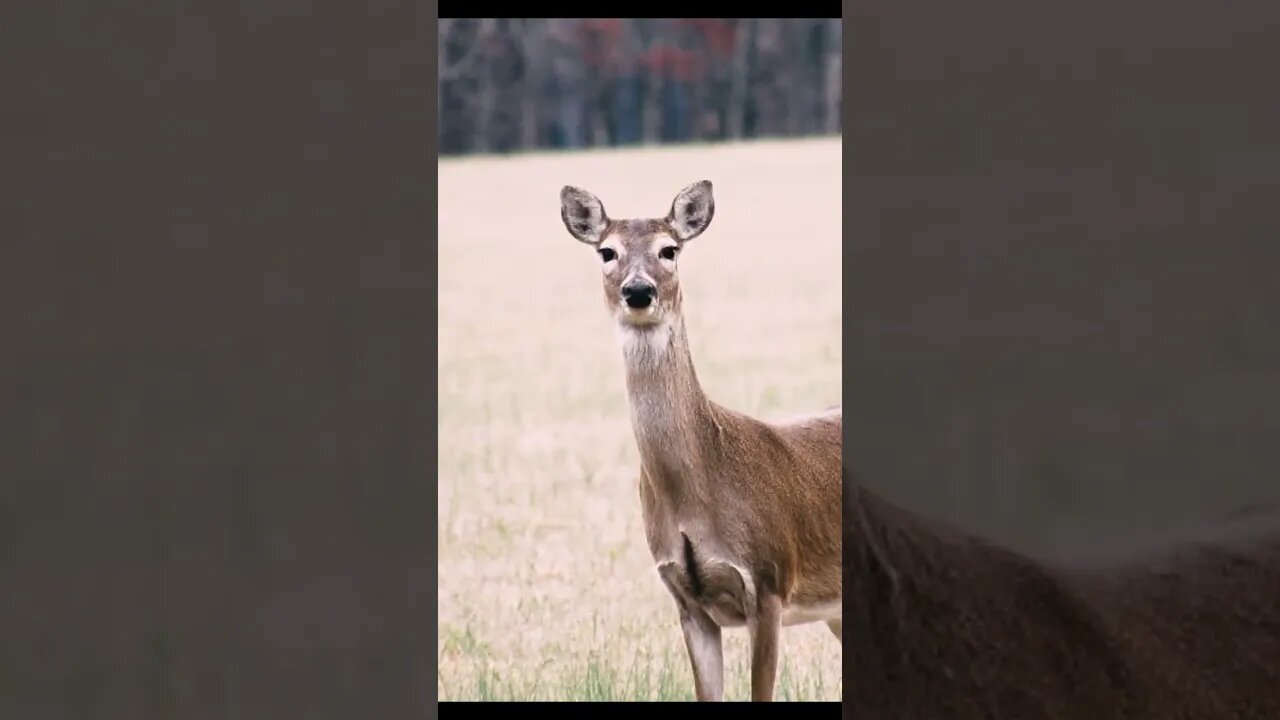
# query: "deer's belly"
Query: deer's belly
{"points": [[818, 612]]}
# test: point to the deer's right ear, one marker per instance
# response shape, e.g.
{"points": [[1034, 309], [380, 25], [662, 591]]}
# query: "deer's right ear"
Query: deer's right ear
{"points": [[583, 214], [692, 210]]}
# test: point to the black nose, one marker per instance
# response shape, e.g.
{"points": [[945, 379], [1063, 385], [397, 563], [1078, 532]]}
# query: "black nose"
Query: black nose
{"points": [[638, 295]]}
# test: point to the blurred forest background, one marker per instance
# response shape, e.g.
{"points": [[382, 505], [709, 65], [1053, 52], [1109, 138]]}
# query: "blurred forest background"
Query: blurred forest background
{"points": [[511, 84]]}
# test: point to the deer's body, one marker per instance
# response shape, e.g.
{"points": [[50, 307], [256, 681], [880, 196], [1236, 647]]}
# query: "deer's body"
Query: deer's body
{"points": [[719, 534], [949, 625], [742, 516]]}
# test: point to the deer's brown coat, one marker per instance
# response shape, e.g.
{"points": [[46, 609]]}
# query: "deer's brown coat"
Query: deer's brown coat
{"points": [[944, 624]]}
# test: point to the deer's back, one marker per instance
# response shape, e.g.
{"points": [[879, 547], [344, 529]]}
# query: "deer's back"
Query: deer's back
{"points": [[950, 626], [1206, 619]]}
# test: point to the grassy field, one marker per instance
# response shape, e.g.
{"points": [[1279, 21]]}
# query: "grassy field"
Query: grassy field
{"points": [[546, 587]]}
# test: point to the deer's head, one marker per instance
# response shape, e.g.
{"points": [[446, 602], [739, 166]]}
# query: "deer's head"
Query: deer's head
{"points": [[638, 256]]}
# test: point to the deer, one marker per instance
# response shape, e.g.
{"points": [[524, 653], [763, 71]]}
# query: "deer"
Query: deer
{"points": [[742, 515], [950, 624]]}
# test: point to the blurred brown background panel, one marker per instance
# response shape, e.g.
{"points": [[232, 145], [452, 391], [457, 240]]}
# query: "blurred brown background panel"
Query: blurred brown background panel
{"points": [[216, 385], [1064, 262]]}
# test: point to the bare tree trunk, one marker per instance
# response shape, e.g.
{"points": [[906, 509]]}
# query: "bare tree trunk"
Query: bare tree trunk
{"points": [[700, 111], [815, 62], [571, 79], [834, 67], [765, 89], [484, 112], [486, 88], [792, 81], [653, 103], [653, 108], [738, 78], [699, 94], [599, 122], [627, 104], [534, 48]]}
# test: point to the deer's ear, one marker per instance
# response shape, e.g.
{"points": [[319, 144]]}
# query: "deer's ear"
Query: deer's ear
{"points": [[692, 210], [583, 214]]}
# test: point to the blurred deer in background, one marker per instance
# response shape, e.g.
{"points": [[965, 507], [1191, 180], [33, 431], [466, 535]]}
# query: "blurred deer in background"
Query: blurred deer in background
{"points": [[948, 625]]}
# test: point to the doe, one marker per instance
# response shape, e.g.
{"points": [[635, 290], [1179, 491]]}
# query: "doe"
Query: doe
{"points": [[742, 516]]}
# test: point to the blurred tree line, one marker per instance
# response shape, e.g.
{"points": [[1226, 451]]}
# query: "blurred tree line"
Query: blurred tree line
{"points": [[510, 84]]}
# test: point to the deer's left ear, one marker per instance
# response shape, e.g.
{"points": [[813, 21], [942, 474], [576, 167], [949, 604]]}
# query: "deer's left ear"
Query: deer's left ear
{"points": [[692, 210], [583, 214]]}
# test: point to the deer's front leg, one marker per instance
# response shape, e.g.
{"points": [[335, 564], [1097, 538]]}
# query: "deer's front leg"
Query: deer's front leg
{"points": [[706, 652], [765, 626]]}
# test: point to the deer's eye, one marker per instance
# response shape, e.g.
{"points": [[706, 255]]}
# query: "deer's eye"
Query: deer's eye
{"points": [[607, 254], [668, 253]]}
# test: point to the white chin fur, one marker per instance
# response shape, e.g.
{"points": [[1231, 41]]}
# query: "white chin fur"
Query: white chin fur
{"points": [[644, 343]]}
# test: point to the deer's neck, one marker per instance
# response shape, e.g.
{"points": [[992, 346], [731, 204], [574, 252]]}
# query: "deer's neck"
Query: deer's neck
{"points": [[674, 422]]}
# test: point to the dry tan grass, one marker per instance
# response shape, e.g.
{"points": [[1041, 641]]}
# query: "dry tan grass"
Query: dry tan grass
{"points": [[547, 589]]}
